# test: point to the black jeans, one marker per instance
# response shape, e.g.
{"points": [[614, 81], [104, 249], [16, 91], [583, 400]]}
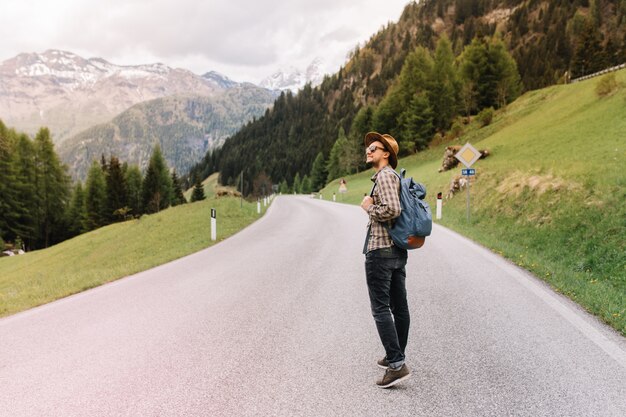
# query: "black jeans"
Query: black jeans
{"points": [[386, 274]]}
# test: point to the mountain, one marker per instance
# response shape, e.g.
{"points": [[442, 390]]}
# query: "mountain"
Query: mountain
{"points": [[220, 80], [68, 93], [293, 79], [186, 127]]}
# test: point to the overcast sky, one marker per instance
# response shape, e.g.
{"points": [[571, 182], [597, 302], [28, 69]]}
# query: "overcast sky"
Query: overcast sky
{"points": [[246, 40]]}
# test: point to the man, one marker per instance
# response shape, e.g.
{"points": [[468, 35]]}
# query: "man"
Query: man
{"points": [[384, 262]]}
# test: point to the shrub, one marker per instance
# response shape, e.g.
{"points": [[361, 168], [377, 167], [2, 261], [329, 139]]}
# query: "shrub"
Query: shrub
{"points": [[1, 244], [485, 117], [606, 85], [456, 130]]}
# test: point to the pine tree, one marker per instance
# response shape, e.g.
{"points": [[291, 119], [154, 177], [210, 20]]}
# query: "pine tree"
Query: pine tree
{"points": [[77, 213], [95, 198], [337, 160], [417, 124], [133, 184], [361, 125], [10, 206], [305, 185], [489, 74], [157, 184], [24, 160], [116, 191], [297, 184], [177, 192], [198, 191], [52, 189], [415, 77], [385, 117], [445, 86], [318, 173], [473, 69], [284, 187], [588, 57], [596, 12], [508, 85]]}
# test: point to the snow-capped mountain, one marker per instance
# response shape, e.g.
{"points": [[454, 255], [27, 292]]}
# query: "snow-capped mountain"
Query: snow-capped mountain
{"points": [[68, 93], [294, 79], [220, 80]]}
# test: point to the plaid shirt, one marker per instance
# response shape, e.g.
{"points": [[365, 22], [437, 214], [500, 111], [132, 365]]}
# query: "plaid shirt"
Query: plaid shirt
{"points": [[386, 207]]}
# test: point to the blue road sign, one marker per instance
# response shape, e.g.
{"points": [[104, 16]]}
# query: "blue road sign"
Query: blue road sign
{"points": [[469, 171]]}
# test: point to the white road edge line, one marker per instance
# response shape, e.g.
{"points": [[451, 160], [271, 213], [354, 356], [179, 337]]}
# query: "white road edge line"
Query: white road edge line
{"points": [[573, 317]]}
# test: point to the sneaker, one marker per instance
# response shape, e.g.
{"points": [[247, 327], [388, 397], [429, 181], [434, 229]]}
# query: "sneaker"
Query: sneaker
{"points": [[382, 363], [392, 377]]}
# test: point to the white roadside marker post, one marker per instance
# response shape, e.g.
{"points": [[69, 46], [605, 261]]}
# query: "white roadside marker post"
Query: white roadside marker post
{"points": [[258, 206], [334, 197], [439, 206], [213, 225]]}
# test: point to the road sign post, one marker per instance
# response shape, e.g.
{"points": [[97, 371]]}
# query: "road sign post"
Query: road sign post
{"points": [[468, 198], [467, 155]]}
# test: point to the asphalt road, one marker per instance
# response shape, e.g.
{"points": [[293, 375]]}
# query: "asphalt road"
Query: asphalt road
{"points": [[275, 321]]}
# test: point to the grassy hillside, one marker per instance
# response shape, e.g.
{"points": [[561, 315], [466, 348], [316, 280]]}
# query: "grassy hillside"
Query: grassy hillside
{"points": [[212, 187], [115, 251], [551, 197]]}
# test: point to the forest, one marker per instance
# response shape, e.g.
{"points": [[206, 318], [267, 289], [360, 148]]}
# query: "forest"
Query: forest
{"points": [[39, 205]]}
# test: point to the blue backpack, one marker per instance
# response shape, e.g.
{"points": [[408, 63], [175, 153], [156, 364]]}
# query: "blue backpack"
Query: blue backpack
{"points": [[415, 221]]}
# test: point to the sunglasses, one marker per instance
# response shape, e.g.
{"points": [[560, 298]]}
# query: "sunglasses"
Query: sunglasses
{"points": [[372, 148]]}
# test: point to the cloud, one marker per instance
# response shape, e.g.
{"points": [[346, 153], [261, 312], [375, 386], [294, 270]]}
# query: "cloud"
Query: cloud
{"points": [[248, 38]]}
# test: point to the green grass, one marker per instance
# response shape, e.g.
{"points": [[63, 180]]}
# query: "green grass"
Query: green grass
{"points": [[551, 197], [116, 251]]}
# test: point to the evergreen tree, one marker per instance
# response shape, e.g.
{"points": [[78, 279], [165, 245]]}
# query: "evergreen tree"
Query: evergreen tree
{"points": [[177, 191], [95, 198], [10, 206], [318, 173], [490, 72], [157, 184], [385, 115], [77, 213], [415, 77], [338, 163], [588, 57], [26, 185], [508, 85], [198, 191], [297, 184], [133, 184], [416, 74], [117, 197], [283, 187], [417, 125], [361, 125], [596, 12], [52, 189], [473, 70], [305, 185], [444, 92]]}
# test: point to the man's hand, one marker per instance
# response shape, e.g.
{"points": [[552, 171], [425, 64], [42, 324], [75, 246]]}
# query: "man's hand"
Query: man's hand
{"points": [[367, 202]]}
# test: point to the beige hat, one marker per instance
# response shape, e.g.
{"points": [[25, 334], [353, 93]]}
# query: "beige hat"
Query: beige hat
{"points": [[390, 145]]}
